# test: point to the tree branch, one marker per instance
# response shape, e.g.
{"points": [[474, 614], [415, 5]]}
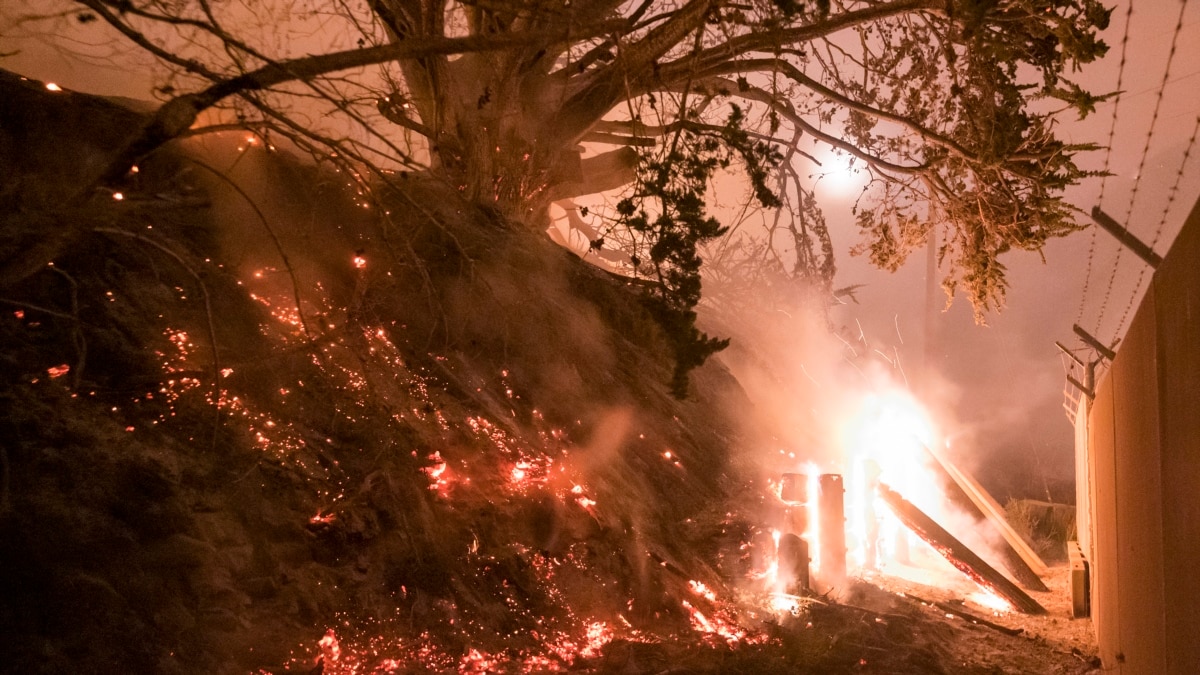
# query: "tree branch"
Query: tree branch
{"points": [[771, 41], [602, 88], [175, 116], [796, 75], [719, 85]]}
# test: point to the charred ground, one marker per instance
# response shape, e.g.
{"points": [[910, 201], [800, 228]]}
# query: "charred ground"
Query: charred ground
{"points": [[271, 424]]}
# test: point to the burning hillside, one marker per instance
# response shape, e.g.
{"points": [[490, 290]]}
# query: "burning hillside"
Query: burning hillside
{"points": [[261, 422]]}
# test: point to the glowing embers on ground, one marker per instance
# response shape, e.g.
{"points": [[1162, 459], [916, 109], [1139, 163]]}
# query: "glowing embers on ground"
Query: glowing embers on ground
{"points": [[717, 625], [369, 651], [438, 472], [588, 504], [565, 644], [718, 621], [524, 470]]}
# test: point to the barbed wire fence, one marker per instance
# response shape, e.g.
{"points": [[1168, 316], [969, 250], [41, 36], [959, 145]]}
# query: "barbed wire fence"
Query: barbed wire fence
{"points": [[1086, 361]]}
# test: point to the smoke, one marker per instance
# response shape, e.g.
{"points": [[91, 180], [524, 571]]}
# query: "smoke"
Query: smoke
{"points": [[834, 398]]}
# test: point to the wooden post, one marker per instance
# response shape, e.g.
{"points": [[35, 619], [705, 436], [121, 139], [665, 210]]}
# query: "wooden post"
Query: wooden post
{"points": [[963, 558], [1080, 596], [1092, 342], [793, 563], [1139, 248], [792, 552], [832, 529]]}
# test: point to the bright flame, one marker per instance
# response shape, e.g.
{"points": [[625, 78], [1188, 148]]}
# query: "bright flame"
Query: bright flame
{"points": [[701, 590], [991, 601], [330, 650], [813, 534], [439, 481], [785, 603], [886, 441], [717, 626]]}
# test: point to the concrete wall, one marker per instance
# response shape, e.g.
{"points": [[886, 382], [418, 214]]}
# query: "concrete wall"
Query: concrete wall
{"points": [[1141, 473]]}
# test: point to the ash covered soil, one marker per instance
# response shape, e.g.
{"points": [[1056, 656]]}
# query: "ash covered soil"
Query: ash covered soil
{"points": [[256, 421]]}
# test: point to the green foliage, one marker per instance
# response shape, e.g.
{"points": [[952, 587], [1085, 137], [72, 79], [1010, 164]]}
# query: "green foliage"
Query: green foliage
{"points": [[667, 213], [980, 164]]}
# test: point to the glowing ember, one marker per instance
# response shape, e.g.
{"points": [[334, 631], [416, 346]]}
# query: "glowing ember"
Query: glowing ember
{"points": [[50, 86], [477, 662], [359, 262], [439, 480], [323, 518], [716, 626], [701, 590], [58, 371], [519, 472], [598, 635], [583, 500], [330, 650]]}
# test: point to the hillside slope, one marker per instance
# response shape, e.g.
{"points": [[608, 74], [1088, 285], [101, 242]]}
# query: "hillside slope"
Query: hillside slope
{"points": [[258, 422]]}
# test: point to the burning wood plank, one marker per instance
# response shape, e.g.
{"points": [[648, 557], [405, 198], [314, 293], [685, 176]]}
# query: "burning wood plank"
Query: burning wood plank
{"points": [[831, 529], [959, 488], [957, 554]]}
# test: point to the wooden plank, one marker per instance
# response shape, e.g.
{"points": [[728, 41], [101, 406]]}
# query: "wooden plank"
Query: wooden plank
{"points": [[831, 530], [956, 553], [994, 513]]}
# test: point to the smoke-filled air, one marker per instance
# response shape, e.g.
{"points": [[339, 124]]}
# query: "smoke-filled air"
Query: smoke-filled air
{"points": [[404, 336]]}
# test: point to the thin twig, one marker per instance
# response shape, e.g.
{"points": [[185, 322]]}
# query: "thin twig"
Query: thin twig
{"points": [[212, 329], [262, 218]]}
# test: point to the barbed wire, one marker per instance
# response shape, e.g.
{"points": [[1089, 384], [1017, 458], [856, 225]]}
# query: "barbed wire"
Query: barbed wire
{"points": [[1112, 131], [1137, 181], [1171, 194]]}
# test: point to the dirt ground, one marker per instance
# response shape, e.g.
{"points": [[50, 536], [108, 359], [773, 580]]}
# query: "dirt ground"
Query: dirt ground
{"points": [[1052, 643]]}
